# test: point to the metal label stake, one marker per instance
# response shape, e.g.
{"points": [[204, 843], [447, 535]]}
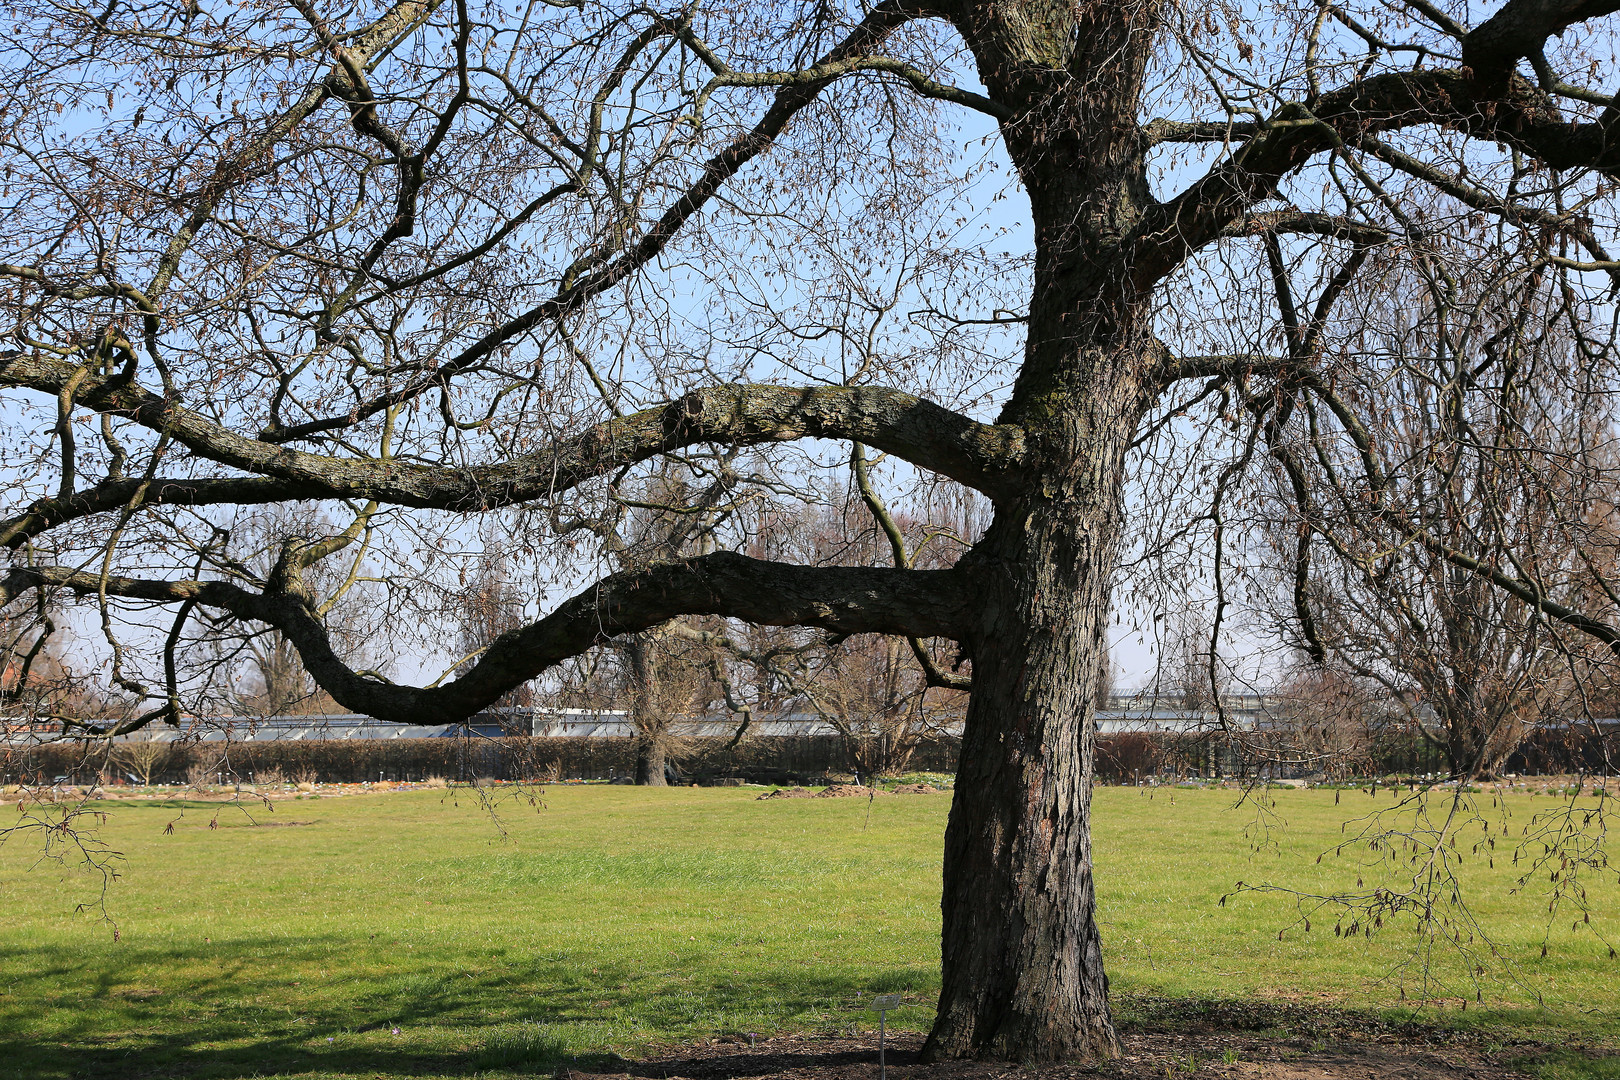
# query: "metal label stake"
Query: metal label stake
{"points": [[881, 1005]]}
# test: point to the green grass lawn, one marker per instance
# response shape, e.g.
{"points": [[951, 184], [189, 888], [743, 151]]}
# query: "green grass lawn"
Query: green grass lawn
{"points": [[405, 935]]}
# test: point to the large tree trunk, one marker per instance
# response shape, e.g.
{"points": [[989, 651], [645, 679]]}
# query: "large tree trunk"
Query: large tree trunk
{"points": [[1022, 973], [1457, 744], [648, 712], [1475, 747], [651, 757], [1022, 959]]}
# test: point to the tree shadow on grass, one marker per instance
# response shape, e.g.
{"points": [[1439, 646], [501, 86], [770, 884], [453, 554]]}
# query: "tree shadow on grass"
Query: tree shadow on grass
{"points": [[234, 1010], [736, 1062]]}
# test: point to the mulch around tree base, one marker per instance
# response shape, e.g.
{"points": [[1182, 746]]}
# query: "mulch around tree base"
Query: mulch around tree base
{"points": [[1211, 1052]]}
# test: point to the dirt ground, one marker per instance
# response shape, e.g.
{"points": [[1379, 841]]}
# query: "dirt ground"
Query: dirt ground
{"points": [[1208, 1054], [1252, 1043]]}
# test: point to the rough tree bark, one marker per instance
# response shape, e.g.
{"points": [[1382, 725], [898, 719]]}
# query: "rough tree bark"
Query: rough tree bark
{"points": [[649, 711], [1023, 973], [651, 757]]}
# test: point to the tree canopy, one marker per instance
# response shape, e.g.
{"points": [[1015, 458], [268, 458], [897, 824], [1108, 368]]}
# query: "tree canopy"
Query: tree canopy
{"points": [[1107, 263]]}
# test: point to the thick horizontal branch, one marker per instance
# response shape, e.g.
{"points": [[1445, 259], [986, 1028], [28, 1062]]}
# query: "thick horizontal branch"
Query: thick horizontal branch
{"points": [[1495, 46], [1310, 223], [1231, 365], [1520, 116], [216, 594], [46, 514], [1158, 131], [928, 435], [845, 600]]}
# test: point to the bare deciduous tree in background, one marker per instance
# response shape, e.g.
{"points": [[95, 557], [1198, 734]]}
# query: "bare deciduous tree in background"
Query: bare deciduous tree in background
{"points": [[663, 671], [1326, 722], [249, 670], [1497, 447], [451, 263], [144, 757]]}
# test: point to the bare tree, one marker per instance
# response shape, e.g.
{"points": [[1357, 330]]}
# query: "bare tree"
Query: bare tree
{"points": [[663, 671], [283, 683], [1500, 468], [36, 681], [1325, 721], [1190, 674], [144, 757], [442, 264], [1474, 671], [873, 693], [246, 668], [879, 690]]}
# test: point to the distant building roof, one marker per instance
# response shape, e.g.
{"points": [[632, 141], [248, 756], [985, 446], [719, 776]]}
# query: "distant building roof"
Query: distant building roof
{"points": [[1141, 712]]}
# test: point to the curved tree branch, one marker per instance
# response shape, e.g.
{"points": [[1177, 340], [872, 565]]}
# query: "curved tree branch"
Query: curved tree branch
{"points": [[1310, 223], [845, 600], [1493, 47], [46, 514], [928, 435], [1517, 114]]}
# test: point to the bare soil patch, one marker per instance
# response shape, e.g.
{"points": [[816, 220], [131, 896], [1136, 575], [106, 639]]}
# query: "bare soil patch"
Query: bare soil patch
{"points": [[1242, 1040], [1244, 1055], [267, 824]]}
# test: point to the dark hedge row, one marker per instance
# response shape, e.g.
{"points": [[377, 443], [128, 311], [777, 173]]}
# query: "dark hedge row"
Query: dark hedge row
{"points": [[1120, 758], [509, 758]]}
